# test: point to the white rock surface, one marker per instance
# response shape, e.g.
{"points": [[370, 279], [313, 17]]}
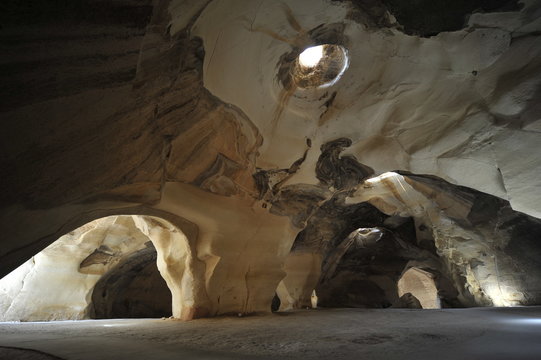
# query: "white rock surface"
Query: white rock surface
{"points": [[180, 115], [54, 284], [448, 105], [492, 277]]}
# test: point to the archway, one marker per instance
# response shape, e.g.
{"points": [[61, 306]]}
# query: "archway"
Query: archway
{"points": [[421, 285], [109, 266], [132, 289]]}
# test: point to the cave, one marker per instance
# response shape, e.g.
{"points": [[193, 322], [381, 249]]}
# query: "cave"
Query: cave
{"points": [[417, 285], [134, 289], [257, 179]]}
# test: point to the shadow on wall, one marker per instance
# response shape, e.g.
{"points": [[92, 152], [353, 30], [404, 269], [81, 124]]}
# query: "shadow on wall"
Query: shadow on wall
{"points": [[104, 269]]}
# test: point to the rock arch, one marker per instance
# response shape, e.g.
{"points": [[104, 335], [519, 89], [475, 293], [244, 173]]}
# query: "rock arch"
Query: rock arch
{"points": [[132, 289], [108, 253], [421, 285]]}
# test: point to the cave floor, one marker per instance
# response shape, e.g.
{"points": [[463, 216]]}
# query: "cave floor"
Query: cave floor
{"points": [[475, 333]]}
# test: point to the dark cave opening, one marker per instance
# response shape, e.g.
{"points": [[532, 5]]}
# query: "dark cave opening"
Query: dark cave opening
{"points": [[132, 289]]}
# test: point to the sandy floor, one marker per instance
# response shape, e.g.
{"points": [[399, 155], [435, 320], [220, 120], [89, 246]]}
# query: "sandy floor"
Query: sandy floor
{"points": [[480, 333]]}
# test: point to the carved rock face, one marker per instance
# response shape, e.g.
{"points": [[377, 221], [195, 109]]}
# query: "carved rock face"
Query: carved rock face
{"points": [[57, 283], [188, 111]]}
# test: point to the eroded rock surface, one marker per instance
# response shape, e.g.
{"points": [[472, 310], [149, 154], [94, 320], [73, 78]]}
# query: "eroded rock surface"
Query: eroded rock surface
{"points": [[475, 251], [189, 111], [133, 289], [57, 283]]}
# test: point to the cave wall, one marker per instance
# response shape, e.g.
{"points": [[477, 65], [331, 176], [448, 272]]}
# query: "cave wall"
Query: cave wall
{"points": [[473, 241], [369, 271], [57, 283], [442, 105], [421, 285], [185, 110], [132, 289]]}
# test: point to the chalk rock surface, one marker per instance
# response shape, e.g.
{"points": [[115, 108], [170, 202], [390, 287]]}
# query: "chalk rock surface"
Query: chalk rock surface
{"points": [[200, 113]]}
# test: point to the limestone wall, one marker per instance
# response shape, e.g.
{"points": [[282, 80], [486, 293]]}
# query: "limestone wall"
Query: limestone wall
{"points": [[57, 283], [187, 110]]}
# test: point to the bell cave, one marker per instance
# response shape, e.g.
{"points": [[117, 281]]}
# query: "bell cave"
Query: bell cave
{"points": [[240, 179]]}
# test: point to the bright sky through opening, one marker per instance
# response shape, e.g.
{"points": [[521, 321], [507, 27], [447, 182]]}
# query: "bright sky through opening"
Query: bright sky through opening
{"points": [[311, 56]]}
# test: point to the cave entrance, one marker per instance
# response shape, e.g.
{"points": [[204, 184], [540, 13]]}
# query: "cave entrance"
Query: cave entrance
{"points": [[421, 285], [112, 267]]}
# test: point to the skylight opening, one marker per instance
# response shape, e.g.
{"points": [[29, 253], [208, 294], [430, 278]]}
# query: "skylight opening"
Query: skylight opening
{"points": [[311, 56], [320, 66]]}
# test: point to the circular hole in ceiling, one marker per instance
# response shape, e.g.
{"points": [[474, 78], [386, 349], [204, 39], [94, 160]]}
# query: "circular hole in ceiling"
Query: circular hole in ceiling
{"points": [[320, 66]]}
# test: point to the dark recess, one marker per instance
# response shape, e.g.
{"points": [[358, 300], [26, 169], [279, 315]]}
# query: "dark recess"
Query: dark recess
{"points": [[430, 17], [426, 17], [104, 12]]}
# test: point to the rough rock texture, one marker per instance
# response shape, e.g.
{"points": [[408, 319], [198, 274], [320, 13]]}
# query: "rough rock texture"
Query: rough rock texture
{"points": [[476, 235], [431, 106], [420, 285], [241, 245], [428, 18], [187, 111], [408, 301], [368, 274], [160, 127], [76, 261], [133, 289], [326, 227], [183, 274]]}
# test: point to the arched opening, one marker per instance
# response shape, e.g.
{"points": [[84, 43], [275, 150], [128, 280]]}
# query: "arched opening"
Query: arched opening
{"points": [[420, 285], [320, 66], [275, 304], [132, 289], [360, 270], [114, 267]]}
